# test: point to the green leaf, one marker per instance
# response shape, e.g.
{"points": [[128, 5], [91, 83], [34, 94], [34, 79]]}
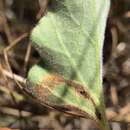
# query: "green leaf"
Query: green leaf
{"points": [[70, 39]]}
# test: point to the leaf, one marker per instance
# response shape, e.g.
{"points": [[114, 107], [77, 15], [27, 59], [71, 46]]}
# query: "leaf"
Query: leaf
{"points": [[56, 92], [70, 39]]}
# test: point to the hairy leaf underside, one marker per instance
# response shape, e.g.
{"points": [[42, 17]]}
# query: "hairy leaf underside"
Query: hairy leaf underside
{"points": [[69, 39]]}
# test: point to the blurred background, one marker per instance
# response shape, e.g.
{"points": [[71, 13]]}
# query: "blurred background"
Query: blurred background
{"points": [[18, 111]]}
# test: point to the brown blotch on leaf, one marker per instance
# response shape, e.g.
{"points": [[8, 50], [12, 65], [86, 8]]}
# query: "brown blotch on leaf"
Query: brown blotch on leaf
{"points": [[52, 80], [78, 88]]}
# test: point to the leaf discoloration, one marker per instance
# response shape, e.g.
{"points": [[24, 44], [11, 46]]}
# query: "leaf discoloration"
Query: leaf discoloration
{"points": [[53, 80]]}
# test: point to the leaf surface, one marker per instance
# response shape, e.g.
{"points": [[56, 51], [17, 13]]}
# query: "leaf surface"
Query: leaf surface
{"points": [[70, 39]]}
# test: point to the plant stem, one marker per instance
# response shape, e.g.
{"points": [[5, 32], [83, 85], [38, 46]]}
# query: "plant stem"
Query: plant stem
{"points": [[103, 122]]}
